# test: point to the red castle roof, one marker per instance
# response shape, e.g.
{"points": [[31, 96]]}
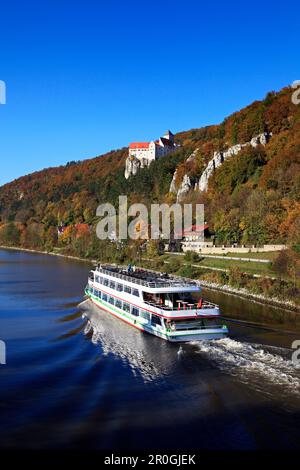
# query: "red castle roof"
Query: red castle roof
{"points": [[139, 145]]}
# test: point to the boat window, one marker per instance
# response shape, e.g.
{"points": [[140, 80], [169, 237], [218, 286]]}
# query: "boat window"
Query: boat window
{"points": [[155, 320], [111, 300], [112, 284], [96, 278], [119, 303], [104, 297], [99, 294], [135, 292], [126, 307], [135, 311], [101, 280], [96, 293], [145, 315], [120, 287], [105, 281], [127, 289], [151, 298]]}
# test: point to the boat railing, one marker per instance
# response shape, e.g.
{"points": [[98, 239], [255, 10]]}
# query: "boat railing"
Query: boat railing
{"points": [[161, 283], [191, 306], [180, 307], [207, 304]]}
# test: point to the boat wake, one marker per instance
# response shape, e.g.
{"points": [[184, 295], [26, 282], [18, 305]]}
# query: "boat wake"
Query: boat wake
{"points": [[256, 364], [127, 345]]}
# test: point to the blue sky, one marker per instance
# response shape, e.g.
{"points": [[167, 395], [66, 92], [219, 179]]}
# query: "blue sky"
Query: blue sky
{"points": [[85, 77]]}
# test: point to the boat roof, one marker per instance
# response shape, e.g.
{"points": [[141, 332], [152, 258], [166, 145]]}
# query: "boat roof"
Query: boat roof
{"points": [[150, 280]]}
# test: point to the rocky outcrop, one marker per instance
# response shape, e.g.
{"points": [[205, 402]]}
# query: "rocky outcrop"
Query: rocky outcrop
{"points": [[192, 157], [261, 139], [173, 188], [184, 188], [186, 184], [220, 157]]}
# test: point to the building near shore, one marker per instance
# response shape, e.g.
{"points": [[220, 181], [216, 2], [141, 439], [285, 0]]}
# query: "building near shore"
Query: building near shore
{"points": [[141, 154]]}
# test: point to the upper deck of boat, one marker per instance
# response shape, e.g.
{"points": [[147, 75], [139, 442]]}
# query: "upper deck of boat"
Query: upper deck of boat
{"points": [[146, 278]]}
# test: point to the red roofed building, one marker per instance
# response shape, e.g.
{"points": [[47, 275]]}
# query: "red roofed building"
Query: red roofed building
{"points": [[195, 238], [139, 145], [195, 232], [77, 230], [145, 152]]}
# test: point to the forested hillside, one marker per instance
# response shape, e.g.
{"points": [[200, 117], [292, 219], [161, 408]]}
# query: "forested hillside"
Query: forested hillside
{"points": [[254, 197]]}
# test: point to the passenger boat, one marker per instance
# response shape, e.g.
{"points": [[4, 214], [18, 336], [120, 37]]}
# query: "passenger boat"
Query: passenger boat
{"points": [[165, 306]]}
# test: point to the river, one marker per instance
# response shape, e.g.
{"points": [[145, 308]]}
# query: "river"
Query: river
{"points": [[76, 377]]}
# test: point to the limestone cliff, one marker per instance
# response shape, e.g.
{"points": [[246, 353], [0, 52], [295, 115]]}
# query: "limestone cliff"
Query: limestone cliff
{"points": [[184, 188], [133, 164], [220, 157], [173, 188], [186, 184]]}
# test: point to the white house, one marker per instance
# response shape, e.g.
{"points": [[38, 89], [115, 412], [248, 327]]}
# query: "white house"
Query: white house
{"points": [[141, 154], [146, 152]]}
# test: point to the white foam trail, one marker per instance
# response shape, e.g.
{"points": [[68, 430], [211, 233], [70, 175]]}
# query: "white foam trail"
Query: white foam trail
{"points": [[87, 327], [129, 348], [252, 363]]}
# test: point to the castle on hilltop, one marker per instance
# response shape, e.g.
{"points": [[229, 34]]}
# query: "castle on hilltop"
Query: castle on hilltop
{"points": [[141, 154]]}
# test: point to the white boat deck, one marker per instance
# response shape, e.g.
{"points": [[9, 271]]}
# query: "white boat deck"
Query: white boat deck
{"points": [[145, 278]]}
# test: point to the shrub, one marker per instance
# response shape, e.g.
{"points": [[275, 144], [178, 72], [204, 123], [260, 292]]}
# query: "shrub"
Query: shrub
{"points": [[172, 266], [188, 271], [236, 277], [159, 265], [10, 234], [191, 257]]}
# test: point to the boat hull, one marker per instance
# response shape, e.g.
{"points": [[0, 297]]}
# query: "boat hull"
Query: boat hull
{"points": [[207, 335], [171, 336]]}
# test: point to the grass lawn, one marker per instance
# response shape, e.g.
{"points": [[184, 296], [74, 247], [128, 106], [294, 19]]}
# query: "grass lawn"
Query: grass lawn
{"points": [[269, 256], [263, 269], [245, 266]]}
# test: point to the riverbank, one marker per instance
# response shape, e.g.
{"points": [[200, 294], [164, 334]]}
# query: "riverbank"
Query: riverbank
{"points": [[51, 253], [244, 293], [240, 292]]}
